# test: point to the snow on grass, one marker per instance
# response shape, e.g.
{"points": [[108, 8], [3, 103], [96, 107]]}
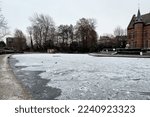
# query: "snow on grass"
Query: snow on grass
{"points": [[81, 76]]}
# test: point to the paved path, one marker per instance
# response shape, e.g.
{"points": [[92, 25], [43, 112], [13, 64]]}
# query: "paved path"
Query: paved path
{"points": [[10, 88]]}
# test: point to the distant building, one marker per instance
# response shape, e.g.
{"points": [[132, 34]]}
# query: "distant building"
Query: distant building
{"points": [[16, 43], [139, 31], [10, 42]]}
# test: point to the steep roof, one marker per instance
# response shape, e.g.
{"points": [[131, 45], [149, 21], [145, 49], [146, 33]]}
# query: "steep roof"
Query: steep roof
{"points": [[139, 18], [144, 18]]}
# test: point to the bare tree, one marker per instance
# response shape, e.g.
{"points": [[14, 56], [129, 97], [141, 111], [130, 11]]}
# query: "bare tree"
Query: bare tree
{"points": [[65, 36], [18, 33], [30, 32], [65, 33], [121, 37], [119, 31], [3, 26], [20, 40], [43, 28], [86, 34], [71, 33]]}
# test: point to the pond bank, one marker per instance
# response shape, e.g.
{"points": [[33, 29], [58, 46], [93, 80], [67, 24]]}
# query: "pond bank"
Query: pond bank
{"points": [[10, 87]]}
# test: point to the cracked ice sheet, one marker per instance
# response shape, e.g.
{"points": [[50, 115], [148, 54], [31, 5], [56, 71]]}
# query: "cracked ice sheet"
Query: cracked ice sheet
{"points": [[81, 76]]}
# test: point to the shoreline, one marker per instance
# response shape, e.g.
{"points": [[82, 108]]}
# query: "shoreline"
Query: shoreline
{"points": [[32, 81], [10, 87], [119, 55]]}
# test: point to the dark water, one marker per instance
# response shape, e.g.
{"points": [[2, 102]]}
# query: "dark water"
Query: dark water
{"points": [[33, 83]]}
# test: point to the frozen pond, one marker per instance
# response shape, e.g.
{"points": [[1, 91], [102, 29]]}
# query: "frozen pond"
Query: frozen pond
{"points": [[80, 76]]}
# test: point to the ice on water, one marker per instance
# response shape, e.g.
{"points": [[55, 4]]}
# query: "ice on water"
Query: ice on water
{"points": [[81, 76]]}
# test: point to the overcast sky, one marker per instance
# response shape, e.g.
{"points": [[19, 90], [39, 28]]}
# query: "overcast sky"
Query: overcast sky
{"points": [[108, 13]]}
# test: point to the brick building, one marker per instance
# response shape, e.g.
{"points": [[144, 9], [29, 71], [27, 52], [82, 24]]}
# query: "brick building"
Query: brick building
{"points": [[16, 43], [139, 31]]}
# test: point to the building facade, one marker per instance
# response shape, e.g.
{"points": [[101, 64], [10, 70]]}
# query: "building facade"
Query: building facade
{"points": [[16, 43], [139, 31]]}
